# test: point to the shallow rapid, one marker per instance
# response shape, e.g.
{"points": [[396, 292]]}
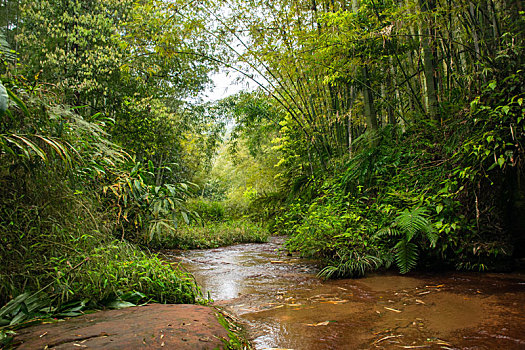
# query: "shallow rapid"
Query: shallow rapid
{"points": [[283, 305]]}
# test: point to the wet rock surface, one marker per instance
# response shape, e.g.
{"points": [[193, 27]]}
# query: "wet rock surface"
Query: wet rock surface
{"points": [[284, 305], [153, 326]]}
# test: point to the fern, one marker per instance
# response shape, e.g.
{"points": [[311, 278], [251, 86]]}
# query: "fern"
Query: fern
{"points": [[415, 221], [410, 225], [406, 255]]}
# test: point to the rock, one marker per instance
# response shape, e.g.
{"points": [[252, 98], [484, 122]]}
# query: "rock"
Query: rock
{"points": [[153, 326]]}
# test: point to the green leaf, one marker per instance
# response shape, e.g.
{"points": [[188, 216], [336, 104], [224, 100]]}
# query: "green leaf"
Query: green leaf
{"points": [[12, 305], [492, 166], [4, 99], [406, 255], [501, 161], [119, 304], [185, 217], [439, 208], [18, 102]]}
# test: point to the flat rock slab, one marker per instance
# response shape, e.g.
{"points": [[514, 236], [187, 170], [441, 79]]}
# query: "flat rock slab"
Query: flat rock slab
{"points": [[152, 326]]}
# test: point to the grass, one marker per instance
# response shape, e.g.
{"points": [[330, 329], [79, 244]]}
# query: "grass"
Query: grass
{"points": [[58, 257], [237, 339], [214, 234]]}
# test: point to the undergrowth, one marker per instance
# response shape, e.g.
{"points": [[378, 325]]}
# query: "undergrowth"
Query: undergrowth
{"points": [[70, 210], [408, 198], [55, 241], [213, 235]]}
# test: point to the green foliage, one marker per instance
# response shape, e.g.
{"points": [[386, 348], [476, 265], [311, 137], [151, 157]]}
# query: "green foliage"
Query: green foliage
{"points": [[244, 167], [66, 190], [56, 241], [237, 339], [208, 211], [214, 234], [410, 225], [416, 198], [143, 209], [374, 100], [336, 228]]}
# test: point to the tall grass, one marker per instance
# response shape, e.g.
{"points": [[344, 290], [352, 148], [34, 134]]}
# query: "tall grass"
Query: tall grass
{"points": [[214, 234]]}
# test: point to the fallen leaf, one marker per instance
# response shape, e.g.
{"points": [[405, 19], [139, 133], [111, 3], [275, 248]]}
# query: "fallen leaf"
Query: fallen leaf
{"points": [[420, 301], [390, 309], [387, 337], [334, 302], [325, 323], [43, 334]]}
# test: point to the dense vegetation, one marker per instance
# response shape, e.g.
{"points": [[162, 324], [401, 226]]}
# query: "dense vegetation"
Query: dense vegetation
{"points": [[96, 148], [382, 132], [398, 127]]}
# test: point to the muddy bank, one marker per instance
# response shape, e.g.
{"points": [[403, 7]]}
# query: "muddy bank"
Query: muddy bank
{"points": [[283, 305], [151, 326]]}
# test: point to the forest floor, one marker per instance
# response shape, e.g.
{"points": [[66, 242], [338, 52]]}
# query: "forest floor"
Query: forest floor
{"points": [[152, 326]]}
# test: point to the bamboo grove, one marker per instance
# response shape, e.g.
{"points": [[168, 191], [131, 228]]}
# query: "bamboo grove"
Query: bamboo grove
{"points": [[381, 132], [392, 108]]}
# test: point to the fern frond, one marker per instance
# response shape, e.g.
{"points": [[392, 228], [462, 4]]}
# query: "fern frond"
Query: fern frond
{"points": [[432, 236], [406, 255], [413, 222], [389, 230]]}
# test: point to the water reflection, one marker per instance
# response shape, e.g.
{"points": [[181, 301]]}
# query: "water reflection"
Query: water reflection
{"points": [[284, 305]]}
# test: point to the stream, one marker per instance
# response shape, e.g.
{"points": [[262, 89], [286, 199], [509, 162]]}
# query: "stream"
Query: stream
{"points": [[283, 305]]}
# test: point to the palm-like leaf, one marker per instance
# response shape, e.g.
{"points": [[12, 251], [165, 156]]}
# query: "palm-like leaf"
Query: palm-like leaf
{"points": [[406, 255], [409, 224], [413, 222]]}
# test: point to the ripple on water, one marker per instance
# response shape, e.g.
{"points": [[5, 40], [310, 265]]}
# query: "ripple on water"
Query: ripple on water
{"points": [[284, 305]]}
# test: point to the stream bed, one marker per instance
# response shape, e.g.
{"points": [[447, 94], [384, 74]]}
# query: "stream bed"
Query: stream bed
{"points": [[283, 305]]}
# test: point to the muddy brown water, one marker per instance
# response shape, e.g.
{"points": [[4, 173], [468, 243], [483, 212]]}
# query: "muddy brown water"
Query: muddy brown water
{"points": [[283, 305]]}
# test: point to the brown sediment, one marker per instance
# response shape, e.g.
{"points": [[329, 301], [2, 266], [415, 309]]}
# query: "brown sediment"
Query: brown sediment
{"points": [[284, 305]]}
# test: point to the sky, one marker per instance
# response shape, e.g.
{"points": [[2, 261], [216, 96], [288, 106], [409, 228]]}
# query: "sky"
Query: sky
{"points": [[226, 84]]}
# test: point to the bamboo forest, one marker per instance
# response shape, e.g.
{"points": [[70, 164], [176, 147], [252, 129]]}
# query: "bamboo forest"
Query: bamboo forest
{"points": [[262, 174]]}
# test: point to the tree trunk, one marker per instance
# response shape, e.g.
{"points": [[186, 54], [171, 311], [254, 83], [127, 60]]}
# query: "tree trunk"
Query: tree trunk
{"points": [[370, 112], [429, 66]]}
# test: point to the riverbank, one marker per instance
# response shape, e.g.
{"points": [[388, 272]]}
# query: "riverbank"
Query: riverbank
{"points": [[153, 326]]}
